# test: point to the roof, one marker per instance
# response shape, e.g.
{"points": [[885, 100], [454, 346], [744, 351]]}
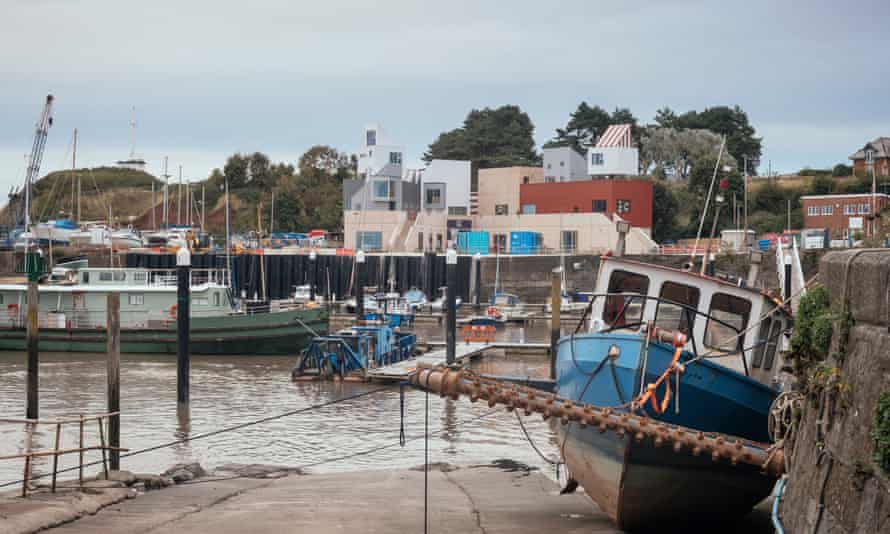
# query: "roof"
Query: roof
{"points": [[616, 135], [840, 197], [881, 146]]}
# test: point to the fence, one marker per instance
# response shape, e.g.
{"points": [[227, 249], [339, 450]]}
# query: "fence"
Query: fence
{"points": [[57, 451]]}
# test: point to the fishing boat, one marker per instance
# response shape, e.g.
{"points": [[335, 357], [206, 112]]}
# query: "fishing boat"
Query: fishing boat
{"points": [[72, 314], [713, 343], [416, 298], [440, 304], [508, 306]]}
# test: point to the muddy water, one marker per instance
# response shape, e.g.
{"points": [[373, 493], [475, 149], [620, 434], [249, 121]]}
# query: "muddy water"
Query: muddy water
{"points": [[231, 390]]}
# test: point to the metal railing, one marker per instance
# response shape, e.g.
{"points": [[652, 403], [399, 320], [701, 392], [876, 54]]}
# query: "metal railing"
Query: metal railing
{"points": [[57, 450]]}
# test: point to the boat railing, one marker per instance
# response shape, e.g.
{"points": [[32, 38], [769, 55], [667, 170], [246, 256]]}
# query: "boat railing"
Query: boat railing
{"points": [[689, 313], [89, 319]]}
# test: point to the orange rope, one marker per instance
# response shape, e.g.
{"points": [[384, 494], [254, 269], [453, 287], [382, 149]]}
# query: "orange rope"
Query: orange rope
{"points": [[650, 394]]}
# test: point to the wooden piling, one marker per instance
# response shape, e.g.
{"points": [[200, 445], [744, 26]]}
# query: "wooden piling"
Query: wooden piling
{"points": [[114, 376], [555, 305], [33, 379], [183, 301], [103, 447], [80, 446], [26, 478], [56, 455], [451, 320]]}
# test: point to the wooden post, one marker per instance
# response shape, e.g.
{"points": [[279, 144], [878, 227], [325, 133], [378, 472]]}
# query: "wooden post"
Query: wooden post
{"points": [[359, 287], [114, 376], [26, 479], [80, 464], [33, 380], [102, 443], [555, 306], [183, 268], [56, 455]]}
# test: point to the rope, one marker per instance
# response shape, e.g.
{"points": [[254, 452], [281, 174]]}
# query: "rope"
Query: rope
{"points": [[532, 443], [213, 433]]}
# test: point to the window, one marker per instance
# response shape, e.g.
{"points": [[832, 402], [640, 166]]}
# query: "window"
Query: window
{"points": [[525, 179], [395, 158], [812, 211], [216, 298], [550, 179], [622, 206], [434, 196], [200, 301], [622, 310], [370, 137], [569, 240], [869, 156], [562, 164], [136, 299], [732, 314], [499, 241], [369, 240], [767, 341], [827, 210], [1, 298], [420, 241], [438, 241], [383, 190], [864, 208], [549, 166], [86, 277], [140, 276], [105, 276], [673, 316], [849, 209], [120, 276], [529, 209], [457, 210], [501, 209], [596, 158], [598, 206]]}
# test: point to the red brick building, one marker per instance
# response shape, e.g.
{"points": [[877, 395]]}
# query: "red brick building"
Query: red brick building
{"points": [[630, 199], [873, 156], [842, 214]]}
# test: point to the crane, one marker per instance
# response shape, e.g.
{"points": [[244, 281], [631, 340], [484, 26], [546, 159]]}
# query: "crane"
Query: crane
{"points": [[36, 156]]}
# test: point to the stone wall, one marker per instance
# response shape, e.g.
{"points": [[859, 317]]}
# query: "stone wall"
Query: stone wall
{"points": [[834, 486]]}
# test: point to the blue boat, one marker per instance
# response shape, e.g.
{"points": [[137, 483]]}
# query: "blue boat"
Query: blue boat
{"points": [[712, 349]]}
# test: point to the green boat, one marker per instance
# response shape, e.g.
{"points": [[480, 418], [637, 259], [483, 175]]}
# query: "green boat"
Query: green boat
{"points": [[72, 315]]}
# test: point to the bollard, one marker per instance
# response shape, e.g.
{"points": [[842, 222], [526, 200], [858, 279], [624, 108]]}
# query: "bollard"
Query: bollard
{"points": [[450, 291], [183, 268], [113, 349], [359, 287], [555, 305], [33, 263]]}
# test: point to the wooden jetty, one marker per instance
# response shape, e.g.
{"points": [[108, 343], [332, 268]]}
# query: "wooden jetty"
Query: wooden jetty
{"points": [[401, 370]]}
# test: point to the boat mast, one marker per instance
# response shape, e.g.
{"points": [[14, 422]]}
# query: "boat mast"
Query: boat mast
{"points": [[164, 220], [74, 212], [35, 157], [203, 207], [179, 199], [229, 246]]}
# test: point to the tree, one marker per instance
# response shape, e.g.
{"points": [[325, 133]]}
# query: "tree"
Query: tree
{"points": [[822, 185], [668, 152], [842, 170], [587, 124], [664, 211], [501, 137], [322, 163]]}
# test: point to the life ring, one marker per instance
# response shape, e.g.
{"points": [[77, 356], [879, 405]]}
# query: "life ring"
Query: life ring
{"points": [[492, 311], [12, 310], [173, 311]]}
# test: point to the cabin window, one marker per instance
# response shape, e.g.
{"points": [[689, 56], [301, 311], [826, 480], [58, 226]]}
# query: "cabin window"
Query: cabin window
{"points": [[140, 276], [732, 314], [772, 344], [86, 277], [673, 316], [136, 299], [216, 298], [622, 310], [200, 301], [105, 276], [1, 298], [120, 276]]}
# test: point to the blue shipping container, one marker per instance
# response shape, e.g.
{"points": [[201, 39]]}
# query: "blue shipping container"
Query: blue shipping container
{"points": [[524, 242], [473, 242], [763, 245]]}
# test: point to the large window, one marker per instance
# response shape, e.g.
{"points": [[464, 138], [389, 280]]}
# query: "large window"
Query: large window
{"points": [[433, 196], [136, 299], [369, 240], [849, 209], [827, 210], [812, 211], [382, 189], [105, 276], [767, 342], [625, 309], [371, 137], [569, 240], [674, 316], [732, 314], [864, 208], [501, 209], [395, 158], [598, 206], [529, 209], [596, 158], [499, 242]]}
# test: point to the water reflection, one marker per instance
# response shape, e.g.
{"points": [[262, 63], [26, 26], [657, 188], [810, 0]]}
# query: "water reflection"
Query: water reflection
{"points": [[231, 390]]}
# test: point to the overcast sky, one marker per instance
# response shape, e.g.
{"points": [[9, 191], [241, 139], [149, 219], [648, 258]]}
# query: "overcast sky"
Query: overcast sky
{"points": [[211, 77]]}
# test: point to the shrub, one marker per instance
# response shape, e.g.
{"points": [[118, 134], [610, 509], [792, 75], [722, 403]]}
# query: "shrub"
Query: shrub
{"points": [[880, 432]]}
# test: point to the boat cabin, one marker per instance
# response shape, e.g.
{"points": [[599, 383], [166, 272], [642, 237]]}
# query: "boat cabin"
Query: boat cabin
{"points": [[734, 326]]}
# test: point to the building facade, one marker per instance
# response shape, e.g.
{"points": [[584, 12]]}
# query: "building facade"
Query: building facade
{"points": [[564, 164], [843, 215], [629, 199], [498, 190], [614, 154], [873, 157]]}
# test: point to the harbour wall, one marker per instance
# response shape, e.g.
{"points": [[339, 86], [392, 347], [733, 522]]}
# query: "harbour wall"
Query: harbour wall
{"points": [[835, 485]]}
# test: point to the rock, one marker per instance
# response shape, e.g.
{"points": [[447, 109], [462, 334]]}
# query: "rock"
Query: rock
{"points": [[257, 470], [167, 481], [194, 468], [103, 484], [126, 477], [151, 482], [181, 475]]}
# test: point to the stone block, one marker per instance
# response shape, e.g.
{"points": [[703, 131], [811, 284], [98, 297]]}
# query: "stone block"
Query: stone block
{"points": [[862, 276]]}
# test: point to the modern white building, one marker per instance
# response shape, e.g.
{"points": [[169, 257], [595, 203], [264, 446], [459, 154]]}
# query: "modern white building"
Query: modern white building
{"points": [[564, 164], [445, 185], [614, 154], [378, 156]]}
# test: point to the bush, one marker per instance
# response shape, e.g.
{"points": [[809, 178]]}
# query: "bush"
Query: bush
{"points": [[842, 170], [880, 432]]}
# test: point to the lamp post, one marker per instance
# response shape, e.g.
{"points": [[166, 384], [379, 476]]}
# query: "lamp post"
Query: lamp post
{"points": [[718, 200], [359, 287], [623, 228], [312, 272], [451, 320]]}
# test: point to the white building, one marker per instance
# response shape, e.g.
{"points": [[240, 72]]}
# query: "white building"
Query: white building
{"points": [[445, 185], [378, 156], [614, 154], [564, 164]]}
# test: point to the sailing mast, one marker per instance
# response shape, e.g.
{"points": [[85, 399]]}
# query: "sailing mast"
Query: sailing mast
{"points": [[179, 199], [74, 179], [164, 219]]}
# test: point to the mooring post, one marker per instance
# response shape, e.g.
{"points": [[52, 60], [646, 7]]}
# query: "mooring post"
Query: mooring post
{"points": [[555, 307], [183, 272], [477, 279], [33, 266], [451, 320], [787, 279], [312, 273], [359, 287], [114, 376]]}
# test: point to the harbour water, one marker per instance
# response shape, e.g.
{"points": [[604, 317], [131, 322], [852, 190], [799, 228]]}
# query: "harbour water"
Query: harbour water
{"points": [[228, 390]]}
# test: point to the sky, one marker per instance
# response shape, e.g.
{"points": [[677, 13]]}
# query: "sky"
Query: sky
{"points": [[209, 78]]}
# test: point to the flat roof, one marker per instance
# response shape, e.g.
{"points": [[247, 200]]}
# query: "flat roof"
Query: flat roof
{"points": [[855, 195]]}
